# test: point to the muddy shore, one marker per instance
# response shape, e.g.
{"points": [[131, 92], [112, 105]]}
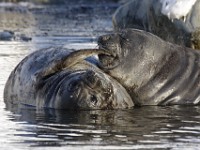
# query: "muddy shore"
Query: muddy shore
{"points": [[74, 18]]}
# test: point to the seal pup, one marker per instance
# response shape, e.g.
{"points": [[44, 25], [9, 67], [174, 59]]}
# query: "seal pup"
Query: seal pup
{"points": [[60, 78], [153, 71]]}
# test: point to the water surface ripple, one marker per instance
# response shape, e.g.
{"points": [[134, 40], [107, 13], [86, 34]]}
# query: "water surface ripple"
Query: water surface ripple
{"points": [[139, 128]]}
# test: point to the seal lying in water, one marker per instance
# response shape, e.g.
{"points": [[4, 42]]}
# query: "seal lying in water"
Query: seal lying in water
{"points": [[61, 79], [154, 72]]}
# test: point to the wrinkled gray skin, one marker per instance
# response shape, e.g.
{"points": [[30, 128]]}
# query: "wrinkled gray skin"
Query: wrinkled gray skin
{"points": [[61, 79], [154, 72], [146, 15]]}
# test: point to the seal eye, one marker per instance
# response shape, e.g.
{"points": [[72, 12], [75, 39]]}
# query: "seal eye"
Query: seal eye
{"points": [[93, 99], [74, 85]]}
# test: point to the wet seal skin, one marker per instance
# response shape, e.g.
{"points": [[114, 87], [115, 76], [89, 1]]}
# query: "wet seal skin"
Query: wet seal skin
{"points": [[154, 72], [62, 79]]}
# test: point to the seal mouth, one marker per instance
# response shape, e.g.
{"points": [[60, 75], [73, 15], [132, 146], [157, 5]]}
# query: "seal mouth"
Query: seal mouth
{"points": [[108, 43], [108, 48], [108, 62]]}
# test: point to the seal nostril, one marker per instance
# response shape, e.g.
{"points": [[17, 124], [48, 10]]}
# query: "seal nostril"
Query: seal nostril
{"points": [[93, 100]]}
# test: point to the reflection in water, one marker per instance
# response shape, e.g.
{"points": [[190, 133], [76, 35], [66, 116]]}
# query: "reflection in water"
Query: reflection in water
{"points": [[146, 127]]}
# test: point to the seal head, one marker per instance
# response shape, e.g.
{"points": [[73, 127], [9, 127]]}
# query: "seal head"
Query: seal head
{"points": [[84, 89]]}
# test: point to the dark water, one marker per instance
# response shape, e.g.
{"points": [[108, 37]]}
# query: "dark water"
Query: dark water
{"points": [[76, 25], [140, 128]]}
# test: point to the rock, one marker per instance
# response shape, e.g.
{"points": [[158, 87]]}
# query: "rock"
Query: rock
{"points": [[6, 35], [146, 15], [23, 37]]}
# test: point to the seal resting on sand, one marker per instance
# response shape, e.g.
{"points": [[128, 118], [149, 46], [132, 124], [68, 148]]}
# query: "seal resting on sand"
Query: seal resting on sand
{"points": [[60, 78], [153, 71]]}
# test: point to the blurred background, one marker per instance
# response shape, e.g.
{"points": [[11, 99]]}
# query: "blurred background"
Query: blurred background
{"points": [[56, 17]]}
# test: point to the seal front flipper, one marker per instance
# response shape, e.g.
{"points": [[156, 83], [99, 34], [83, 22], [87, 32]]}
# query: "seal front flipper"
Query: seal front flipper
{"points": [[66, 61]]}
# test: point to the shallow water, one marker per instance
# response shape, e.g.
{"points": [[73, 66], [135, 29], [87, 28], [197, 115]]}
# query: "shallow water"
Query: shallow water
{"points": [[175, 127]]}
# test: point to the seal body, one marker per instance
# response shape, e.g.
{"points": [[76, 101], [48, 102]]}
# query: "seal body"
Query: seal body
{"points": [[162, 18], [62, 79], [153, 71]]}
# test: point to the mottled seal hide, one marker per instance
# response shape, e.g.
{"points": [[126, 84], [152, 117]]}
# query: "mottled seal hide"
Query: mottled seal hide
{"points": [[153, 71], [61, 78], [147, 15]]}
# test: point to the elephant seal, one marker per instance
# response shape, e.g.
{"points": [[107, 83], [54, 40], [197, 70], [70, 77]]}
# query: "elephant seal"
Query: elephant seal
{"points": [[60, 78], [157, 17], [153, 71]]}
